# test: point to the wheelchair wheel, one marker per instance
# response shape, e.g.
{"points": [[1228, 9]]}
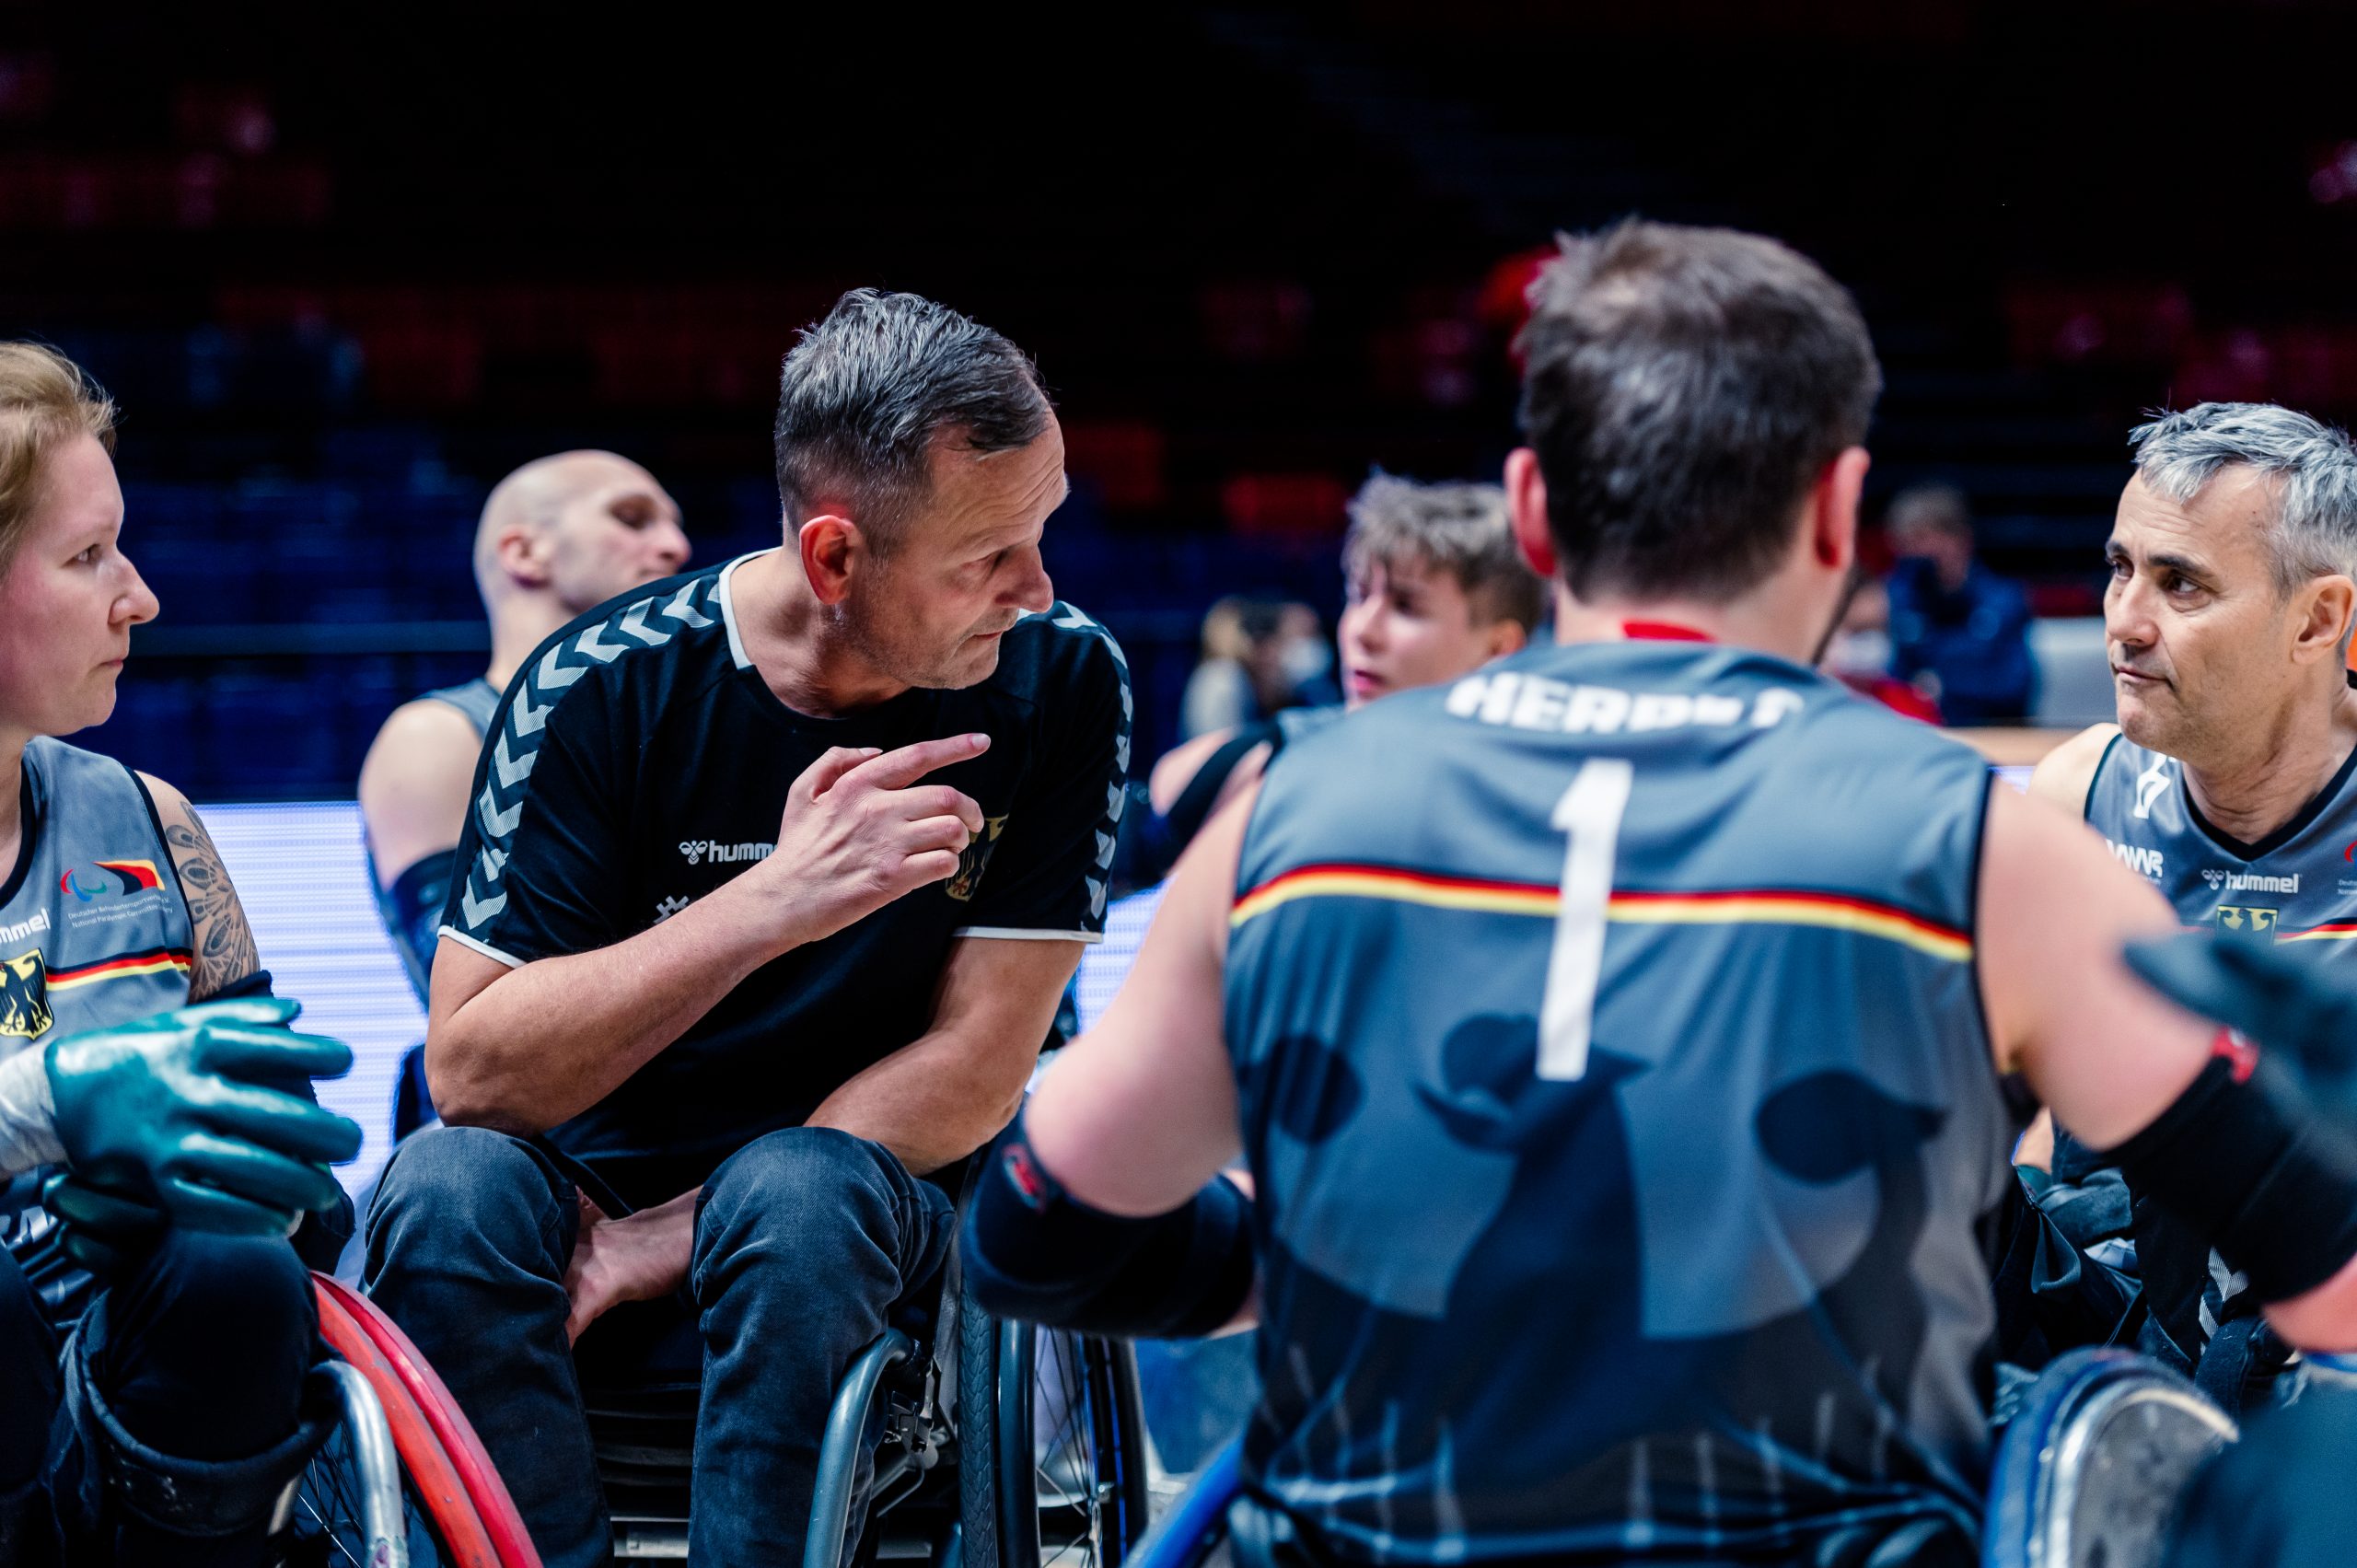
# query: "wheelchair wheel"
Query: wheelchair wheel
{"points": [[455, 1512], [1052, 1468]]}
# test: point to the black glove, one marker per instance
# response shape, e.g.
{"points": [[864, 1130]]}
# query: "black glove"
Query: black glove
{"points": [[2293, 1005]]}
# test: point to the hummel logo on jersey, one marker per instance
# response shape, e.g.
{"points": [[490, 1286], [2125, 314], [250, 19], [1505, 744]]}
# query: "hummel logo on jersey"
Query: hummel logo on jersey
{"points": [[2248, 882], [2149, 784], [697, 851], [24, 928], [2138, 858]]}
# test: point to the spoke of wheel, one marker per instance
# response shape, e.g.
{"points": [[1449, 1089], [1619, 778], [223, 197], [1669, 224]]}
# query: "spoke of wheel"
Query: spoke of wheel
{"points": [[332, 1529], [1072, 1445]]}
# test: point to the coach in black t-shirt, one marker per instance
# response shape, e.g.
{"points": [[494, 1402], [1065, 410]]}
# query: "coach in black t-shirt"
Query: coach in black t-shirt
{"points": [[773, 879]]}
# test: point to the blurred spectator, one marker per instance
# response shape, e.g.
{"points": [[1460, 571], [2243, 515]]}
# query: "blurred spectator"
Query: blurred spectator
{"points": [[1859, 654], [1259, 658], [1957, 630]]}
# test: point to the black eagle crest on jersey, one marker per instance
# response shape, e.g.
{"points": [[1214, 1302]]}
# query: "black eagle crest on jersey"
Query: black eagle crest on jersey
{"points": [[973, 858], [24, 996]]}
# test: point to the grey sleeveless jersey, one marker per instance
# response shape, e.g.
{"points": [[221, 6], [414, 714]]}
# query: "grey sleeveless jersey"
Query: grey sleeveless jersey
{"points": [[1609, 1057], [93, 926], [2298, 884], [478, 699]]}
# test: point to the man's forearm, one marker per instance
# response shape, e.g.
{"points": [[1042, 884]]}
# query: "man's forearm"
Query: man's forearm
{"points": [[931, 1102], [547, 1040]]}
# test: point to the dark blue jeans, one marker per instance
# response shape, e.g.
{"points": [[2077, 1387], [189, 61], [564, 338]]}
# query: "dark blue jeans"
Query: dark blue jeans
{"points": [[163, 1430], [805, 1241]]}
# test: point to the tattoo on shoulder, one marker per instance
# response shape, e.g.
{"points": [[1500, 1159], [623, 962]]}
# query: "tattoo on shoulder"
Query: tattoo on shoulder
{"points": [[225, 943]]}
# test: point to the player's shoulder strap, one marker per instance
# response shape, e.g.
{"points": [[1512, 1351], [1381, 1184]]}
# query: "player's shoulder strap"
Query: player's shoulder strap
{"points": [[2066, 776], [478, 699]]}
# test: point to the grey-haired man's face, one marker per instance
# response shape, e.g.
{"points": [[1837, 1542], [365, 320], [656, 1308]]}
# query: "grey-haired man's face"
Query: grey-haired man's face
{"points": [[2200, 641], [965, 567]]}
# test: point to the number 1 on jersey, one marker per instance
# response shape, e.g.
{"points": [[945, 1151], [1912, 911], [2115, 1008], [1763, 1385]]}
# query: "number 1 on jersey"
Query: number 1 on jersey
{"points": [[1590, 814]]}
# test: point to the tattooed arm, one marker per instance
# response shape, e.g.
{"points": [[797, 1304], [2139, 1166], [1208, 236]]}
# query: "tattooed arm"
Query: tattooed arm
{"points": [[223, 942]]}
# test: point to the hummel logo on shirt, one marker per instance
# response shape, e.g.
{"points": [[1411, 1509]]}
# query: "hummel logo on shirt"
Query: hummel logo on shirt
{"points": [[697, 851]]}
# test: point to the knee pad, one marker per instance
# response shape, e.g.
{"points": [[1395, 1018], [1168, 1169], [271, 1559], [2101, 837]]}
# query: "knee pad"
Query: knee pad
{"points": [[195, 1498]]}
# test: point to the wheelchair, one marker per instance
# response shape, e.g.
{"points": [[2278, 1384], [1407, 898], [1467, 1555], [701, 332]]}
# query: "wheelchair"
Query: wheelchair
{"points": [[994, 1444], [1044, 1432], [2086, 1476], [401, 1482]]}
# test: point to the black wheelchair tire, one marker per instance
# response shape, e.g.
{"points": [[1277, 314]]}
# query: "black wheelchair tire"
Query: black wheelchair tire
{"points": [[998, 1476]]}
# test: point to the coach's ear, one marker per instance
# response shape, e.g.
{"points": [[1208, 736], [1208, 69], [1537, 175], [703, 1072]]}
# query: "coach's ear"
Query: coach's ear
{"points": [[832, 550], [1526, 505], [1831, 521]]}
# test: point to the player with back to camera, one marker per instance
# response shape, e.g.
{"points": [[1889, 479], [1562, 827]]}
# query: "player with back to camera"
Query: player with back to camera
{"points": [[558, 537], [1614, 1035], [1435, 588], [152, 1159], [773, 879], [2230, 781]]}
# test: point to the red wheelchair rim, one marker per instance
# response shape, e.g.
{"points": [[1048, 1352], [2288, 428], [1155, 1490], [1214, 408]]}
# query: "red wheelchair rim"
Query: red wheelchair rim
{"points": [[453, 1475]]}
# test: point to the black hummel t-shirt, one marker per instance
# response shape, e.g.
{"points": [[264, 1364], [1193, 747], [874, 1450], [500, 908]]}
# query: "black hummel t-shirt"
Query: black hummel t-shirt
{"points": [[639, 760]]}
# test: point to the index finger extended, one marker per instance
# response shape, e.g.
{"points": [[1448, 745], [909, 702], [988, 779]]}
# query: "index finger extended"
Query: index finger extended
{"points": [[896, 770]]}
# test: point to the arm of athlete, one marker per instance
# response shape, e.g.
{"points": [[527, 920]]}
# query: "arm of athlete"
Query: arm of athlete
{"points": [[2111, 1056], [223, 942], [523, 1049], [950, 1090], [1136, 1115], [1103, 1209], [413, 785], [2063, 776]]}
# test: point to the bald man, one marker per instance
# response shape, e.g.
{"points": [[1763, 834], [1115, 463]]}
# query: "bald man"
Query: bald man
{"points": [[559, 536]]}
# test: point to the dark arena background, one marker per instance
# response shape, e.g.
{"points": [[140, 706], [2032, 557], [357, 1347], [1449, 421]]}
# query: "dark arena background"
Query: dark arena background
{"points": [[341, 277], [343, 268]]}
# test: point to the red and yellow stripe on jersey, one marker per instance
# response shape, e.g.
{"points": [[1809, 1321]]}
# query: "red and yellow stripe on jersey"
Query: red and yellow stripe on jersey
{"points": [[2338, 931], [155, 961], [1748, 906]]}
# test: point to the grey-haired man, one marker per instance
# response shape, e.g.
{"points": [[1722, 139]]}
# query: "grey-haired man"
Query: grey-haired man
{"points": [[773, 877], [2230, 781]]}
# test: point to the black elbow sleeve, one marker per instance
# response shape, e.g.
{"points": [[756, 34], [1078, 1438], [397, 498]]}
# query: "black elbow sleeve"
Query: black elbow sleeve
{"points": [[1031, 1251], [2241, 1158]]}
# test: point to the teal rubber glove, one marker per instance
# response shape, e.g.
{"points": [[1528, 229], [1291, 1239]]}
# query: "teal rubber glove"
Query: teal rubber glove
{"points": [[99, 1228], [177, 1109], [2291, 1006]]}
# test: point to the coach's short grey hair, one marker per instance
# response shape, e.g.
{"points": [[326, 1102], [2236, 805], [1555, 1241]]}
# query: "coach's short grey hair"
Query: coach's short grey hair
{"points": [[1462, 529], [2313, 465], [866, 393]]}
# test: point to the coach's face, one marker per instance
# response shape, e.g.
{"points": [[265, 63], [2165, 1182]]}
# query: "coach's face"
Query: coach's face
{"points": [[69, 599], [2201, 646], [966, 566]]}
